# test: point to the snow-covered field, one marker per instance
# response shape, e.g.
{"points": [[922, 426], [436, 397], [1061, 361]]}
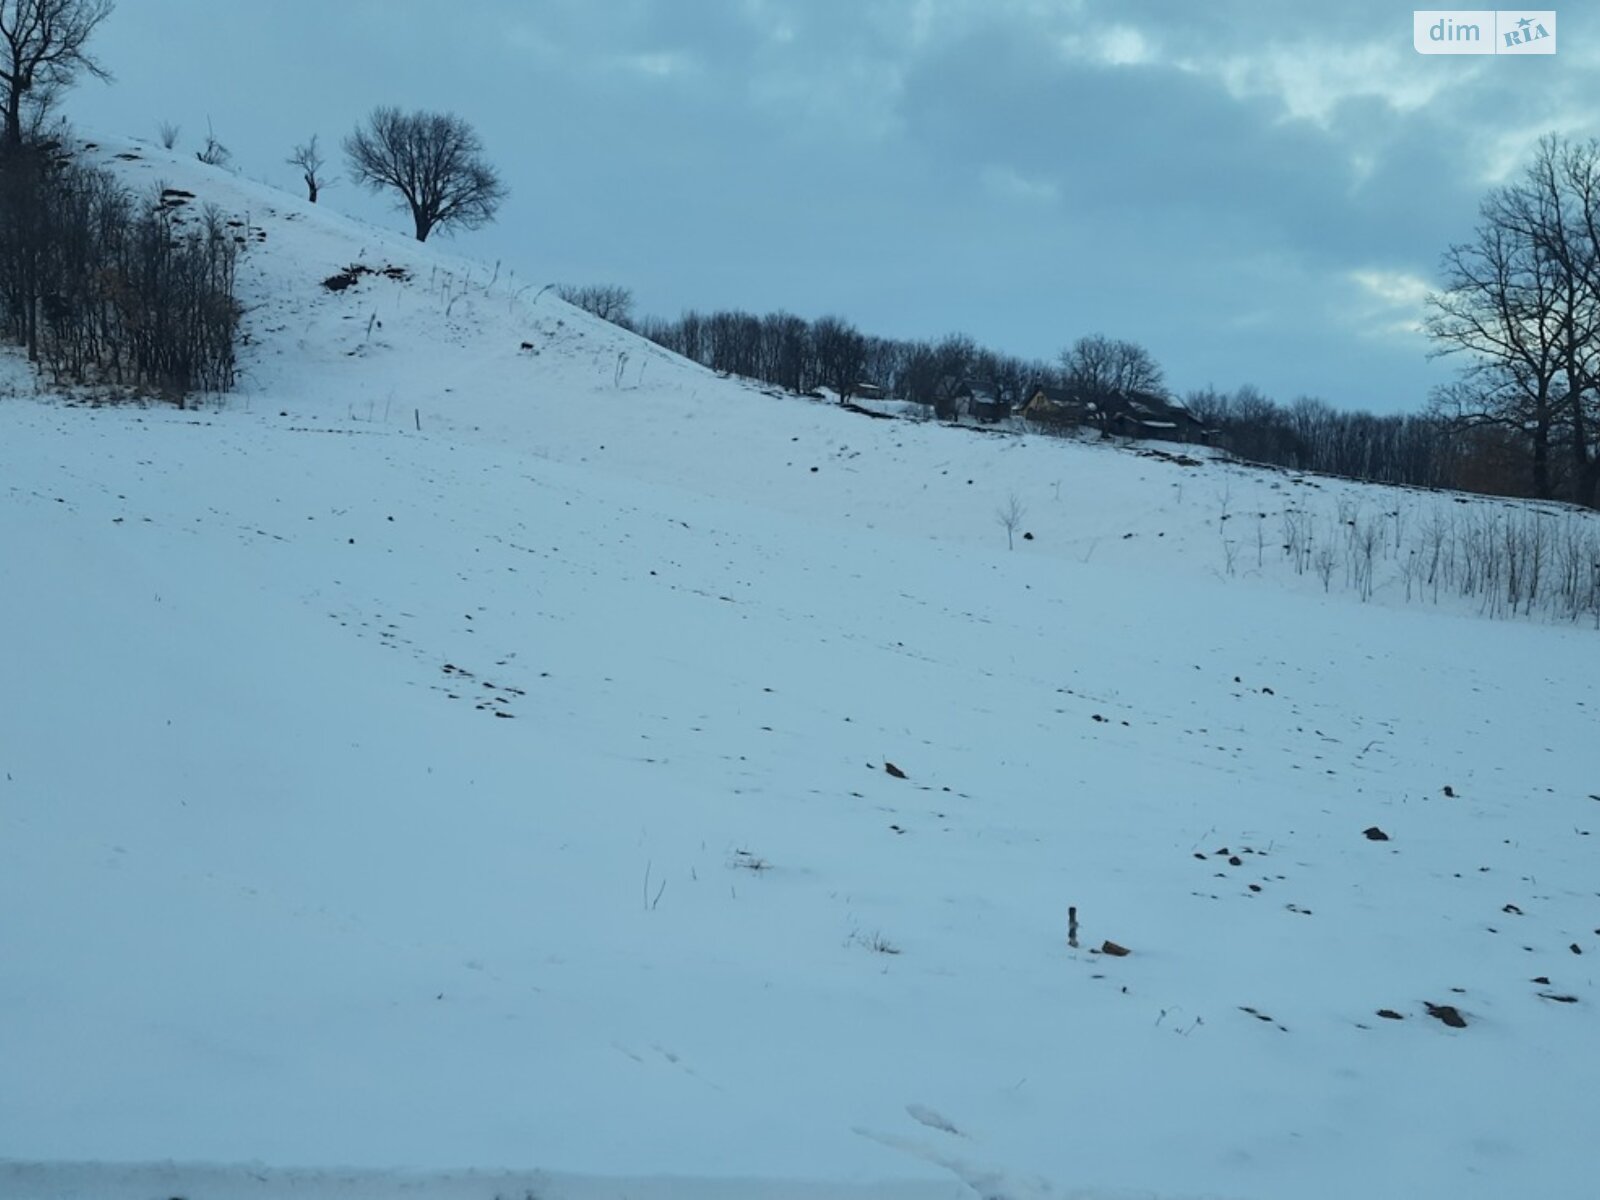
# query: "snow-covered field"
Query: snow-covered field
{"points": [[456, 767]]}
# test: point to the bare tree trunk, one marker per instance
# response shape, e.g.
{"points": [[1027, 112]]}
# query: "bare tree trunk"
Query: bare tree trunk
{"points": [[1585, 466], [1541, 459]]}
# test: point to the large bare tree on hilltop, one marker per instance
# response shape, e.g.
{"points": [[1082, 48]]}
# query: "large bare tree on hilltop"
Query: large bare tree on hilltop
{"points": [[433, 160]]}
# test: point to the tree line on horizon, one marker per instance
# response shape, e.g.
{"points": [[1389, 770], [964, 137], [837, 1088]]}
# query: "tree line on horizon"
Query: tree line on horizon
{"points": [[1427, 449]]}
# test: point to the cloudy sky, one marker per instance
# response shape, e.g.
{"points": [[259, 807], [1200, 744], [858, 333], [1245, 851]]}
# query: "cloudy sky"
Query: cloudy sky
{"points": [[1256, 190]]}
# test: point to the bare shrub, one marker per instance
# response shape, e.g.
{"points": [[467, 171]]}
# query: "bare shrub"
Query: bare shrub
{"points": [[1326, 559], [213, 153]]}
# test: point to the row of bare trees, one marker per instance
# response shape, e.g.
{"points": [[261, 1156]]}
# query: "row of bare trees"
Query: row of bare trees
{"points": [[790, 352], [103, 287], [609, 302], [1413, 449], [98, 285], [1426, 449], [781, 349]]}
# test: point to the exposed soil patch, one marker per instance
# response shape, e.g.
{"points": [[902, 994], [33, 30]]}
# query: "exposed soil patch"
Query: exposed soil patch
{"points": [[352, 274]]}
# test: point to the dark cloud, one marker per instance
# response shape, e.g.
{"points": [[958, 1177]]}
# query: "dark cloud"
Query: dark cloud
{"points": [[1150, 143]]}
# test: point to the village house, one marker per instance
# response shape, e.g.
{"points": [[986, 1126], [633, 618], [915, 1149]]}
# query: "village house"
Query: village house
{"points": [[987, 403], [956, 397], [1058, 407], [1156, 418], [1141, 415]]}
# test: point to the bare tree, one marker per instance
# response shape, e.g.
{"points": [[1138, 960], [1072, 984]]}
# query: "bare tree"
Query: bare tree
{"points": [[841, 354], [1558, 210], [786, 351], [1212, 406], [608, 301], [42, 46], [1099, 368], [1009, 517], [934, 373], [954, 355], [213, 153], [433, 160], [731, 343], [1520, 303], [308, 157]]}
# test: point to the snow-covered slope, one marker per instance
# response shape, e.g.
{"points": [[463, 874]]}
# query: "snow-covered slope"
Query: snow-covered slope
{"points": [[467, 748]]}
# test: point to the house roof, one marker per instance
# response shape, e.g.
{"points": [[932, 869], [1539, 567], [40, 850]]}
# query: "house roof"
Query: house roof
{"points": [[1046, 396], [1055, 395], [1149, 409]]}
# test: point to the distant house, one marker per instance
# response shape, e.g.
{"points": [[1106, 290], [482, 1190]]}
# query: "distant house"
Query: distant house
{"points": [[1133, 415], [1058, 407], [1156, 418], [950, 398], [870, 391], [955, 397], [987, 402]]}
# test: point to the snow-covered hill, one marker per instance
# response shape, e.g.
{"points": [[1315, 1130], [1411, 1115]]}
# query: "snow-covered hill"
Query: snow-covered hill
{"points": [[467, 746]]}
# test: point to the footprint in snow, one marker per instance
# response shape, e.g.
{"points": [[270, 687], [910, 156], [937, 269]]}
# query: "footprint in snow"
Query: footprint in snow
{"points": [[926, 1116], [986, 1182]]}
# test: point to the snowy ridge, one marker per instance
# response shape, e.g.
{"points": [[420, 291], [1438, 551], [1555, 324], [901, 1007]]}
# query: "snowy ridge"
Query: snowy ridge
{"points": [[513, 791]]}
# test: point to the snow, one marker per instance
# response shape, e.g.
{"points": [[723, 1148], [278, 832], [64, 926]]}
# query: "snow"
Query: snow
{"points": [[454, 769]]}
